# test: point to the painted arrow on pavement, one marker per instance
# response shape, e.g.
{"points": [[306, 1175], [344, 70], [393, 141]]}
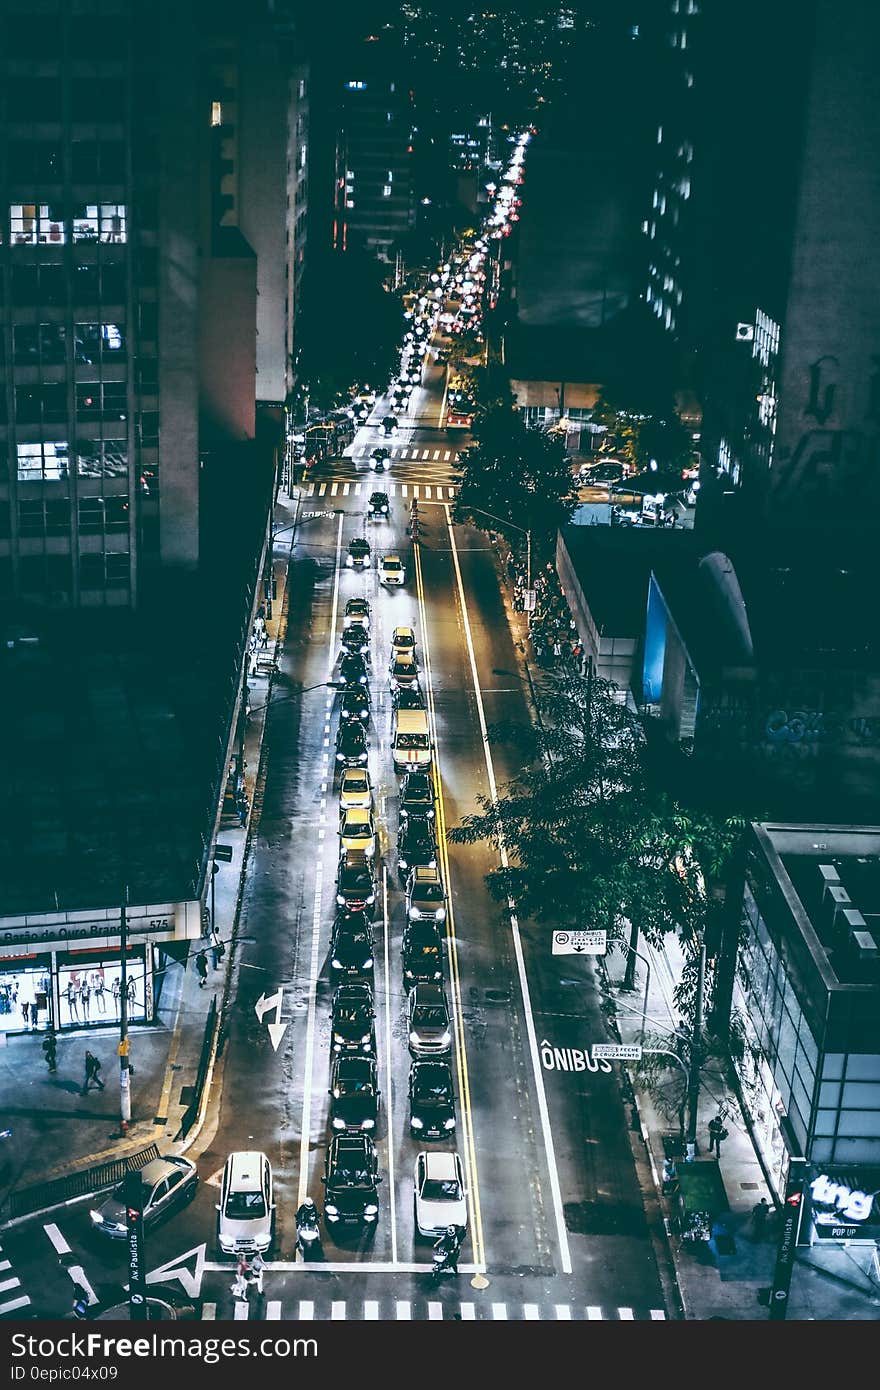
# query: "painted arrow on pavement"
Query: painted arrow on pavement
{"points": [[178, 1268], [262, 1006]]}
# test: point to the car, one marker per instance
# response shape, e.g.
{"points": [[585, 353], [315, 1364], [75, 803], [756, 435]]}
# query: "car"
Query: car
{"points": [[422, 951], [357, 830], [351, 1019], [429, 1024], [351, 744], [389, 423], [357, 610], [415, 844], [355, 704], [402, 670], [407, 697], [355, 885], [352, 669], [356, 638], [379, 505], [379, 459], [359, 553], [403, 642], [355, 789], [440, 1197], [417, 795], [425, 895], [391, 570], [431, 1100], [167, 1184], [600, 473], [351, 1178], [354, 1091], [351, 945], [246, 1208]]}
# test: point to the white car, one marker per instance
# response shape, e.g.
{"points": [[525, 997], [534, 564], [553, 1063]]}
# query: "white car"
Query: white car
{"points": [[403, 642], [247, 1206], [357, 830], [391, 570], [440, 1197], [355, 790]]}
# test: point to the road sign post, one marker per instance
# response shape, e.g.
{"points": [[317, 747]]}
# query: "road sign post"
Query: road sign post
{"points": [[579, 943], [792, 1211], [134, 1213]]}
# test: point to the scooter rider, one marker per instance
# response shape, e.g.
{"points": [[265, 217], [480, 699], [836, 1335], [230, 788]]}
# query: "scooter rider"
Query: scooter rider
{"points": [[307, 1233], [448, 1246]]}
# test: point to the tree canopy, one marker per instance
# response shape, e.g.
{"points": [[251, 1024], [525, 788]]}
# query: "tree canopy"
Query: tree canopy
{"points": [[351, 326], [517, 475]]}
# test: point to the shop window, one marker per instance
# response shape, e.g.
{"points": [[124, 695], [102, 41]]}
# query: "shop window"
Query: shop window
{"points": [[24, 997], [90, 990], [45, 462], [32, 224]]}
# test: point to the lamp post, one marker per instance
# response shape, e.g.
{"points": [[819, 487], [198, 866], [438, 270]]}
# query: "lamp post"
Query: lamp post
{"points": [[523, 531], [647, 965]]}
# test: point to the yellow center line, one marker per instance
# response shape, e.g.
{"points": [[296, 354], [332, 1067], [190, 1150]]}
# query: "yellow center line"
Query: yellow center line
{"points": [[470, 1158]]}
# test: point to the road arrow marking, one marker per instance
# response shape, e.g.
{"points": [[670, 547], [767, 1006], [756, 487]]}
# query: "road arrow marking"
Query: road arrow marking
{"points": [[276, 1033], [263, 1005], [178, 1268]]}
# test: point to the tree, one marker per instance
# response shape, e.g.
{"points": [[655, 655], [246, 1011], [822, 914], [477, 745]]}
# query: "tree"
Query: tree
{"points": [[517, 475], [351, 326]]}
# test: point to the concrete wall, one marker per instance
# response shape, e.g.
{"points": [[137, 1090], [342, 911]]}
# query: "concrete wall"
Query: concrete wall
{"points": [[614, 656], [227, 345]]}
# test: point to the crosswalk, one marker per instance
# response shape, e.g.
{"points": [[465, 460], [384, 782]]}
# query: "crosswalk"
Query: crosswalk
{"points": [[407, 1310], [8, 1284], [429, 492], [413, 452]]}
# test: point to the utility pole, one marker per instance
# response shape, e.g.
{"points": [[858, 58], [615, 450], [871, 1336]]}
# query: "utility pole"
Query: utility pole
{"points": [[124, 1075], [695, 1056]]}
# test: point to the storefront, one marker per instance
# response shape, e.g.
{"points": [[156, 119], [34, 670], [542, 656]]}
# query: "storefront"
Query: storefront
{"points": [[65, 970]]}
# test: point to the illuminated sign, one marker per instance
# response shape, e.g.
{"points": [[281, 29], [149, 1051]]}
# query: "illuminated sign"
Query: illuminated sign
{"points": [[844, 1204]]}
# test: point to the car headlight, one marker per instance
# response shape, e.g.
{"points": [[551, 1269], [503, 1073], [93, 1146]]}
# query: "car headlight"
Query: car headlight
{"points": [[432, 863], [414, 914], [340, 900], [331, 1212], [337, 964], [365, 1040], [371, 1210], [362, 680], [262, 1238], [362, 757], [349, 560], [367, 965], [97, 1218], [338, 1124], [416, 1123], [407, 974], [371, 899], [340, 757], [440, 914], [446, 1038], [413, 1037], [368, 1124]]}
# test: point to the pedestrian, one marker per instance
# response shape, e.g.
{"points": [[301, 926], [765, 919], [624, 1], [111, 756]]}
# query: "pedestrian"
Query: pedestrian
{"points": [[218, 950], [717, 1132], [760, 1214], [572, 625], [202, 968], [539, 653], [261, 611], [242, 1280], [264, 637], [258, 1264], [557, 650], [93, 1066], [670, 1177], [50, 1048]]}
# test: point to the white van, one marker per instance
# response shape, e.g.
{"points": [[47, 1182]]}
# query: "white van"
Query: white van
{"points": [[247, 1204], [410, 739]]}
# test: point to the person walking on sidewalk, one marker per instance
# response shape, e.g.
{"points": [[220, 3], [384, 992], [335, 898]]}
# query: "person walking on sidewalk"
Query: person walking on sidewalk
{"points": [[717, 1132], [93, 1066], [218, 950], [760, 1213], [202, 968], [50, 1049]]}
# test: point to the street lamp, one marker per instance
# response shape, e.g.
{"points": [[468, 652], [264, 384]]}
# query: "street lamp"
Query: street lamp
{"points": [[523, 531]]}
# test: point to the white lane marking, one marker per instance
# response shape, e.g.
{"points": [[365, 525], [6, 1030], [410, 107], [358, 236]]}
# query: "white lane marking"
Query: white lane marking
{"points": [[209, 1312], [273, 1311], [306, 1124], [426, 453], [403, 489], [310, 492], [78, 1276], [334, 488], [435, 1312], [59, 1243], [388, 1073], [563, 1312], [448, 455], [626, 1314], [13, 1304], [467, 1312], [658, 1315], [357, 489], [5, 1264], [562, 1234], [531, 1312], [403, 453], [242, 1311], [404, 1310], [371, 1312], [306, 1310], [427, 491], [7, 1284], [337, 1311], [499, 1312], [322, 489], [594, 1314], [345, 489], [436, 453], [392, 490]]}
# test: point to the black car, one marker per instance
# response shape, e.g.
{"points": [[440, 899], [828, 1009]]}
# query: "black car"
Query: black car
{"points": [[351, 944], [415, 844], [355, 704], [356, 638], [417, 795], [407, 697], [431, 1100], [380, 459], [351, 1178], [354, 1091], [422, 953], [359, 552], [355, 885], [353, 669], [379, 504], [357, 610], [351, 1022], [389, 423], [351, 744]]}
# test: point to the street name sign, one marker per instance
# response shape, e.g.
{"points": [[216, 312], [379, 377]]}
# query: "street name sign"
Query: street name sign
{"points": [[618, 1052], [579, 943]]}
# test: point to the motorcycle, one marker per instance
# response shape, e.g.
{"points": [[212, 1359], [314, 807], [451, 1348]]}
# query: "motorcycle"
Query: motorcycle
{"points": [[308, 1236], [444, 1262]]}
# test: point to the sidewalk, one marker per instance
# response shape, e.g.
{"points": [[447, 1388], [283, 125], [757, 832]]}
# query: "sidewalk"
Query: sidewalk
{"points": [[57, 1131]]}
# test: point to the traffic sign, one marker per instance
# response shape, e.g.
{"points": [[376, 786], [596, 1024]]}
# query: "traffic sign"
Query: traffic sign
{"points": [[579, 943], [618, 1052]]}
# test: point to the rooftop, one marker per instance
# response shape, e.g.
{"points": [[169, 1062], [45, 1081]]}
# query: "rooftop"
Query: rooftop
{"points": [[614, 564]]}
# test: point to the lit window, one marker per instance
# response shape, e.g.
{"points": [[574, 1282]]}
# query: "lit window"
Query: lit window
{"points": [[389, 177], [42, 462], [349, 202], [386, 190], [659, 135], [31, 224], [302, 156], [356, 86], [216, 113]]}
